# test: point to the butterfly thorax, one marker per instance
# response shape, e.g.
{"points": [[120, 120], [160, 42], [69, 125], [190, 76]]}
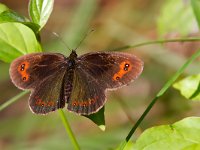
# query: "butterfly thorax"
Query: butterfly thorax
{"points": [[71, 60]]}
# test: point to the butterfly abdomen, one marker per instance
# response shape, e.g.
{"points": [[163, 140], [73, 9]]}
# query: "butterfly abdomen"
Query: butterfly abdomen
{"points": [[68, 79]]}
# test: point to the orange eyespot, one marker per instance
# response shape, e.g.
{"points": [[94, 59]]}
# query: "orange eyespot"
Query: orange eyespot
{"points": [[124, 68], [22, 69], [75, 103]]}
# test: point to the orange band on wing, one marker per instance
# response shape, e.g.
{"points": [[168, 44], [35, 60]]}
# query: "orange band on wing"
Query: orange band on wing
{"points": [[40, 102], [83, 103], [124, 68]]}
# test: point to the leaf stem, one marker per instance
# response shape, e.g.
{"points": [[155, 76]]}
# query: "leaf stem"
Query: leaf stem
{"points": [[160, 93], [12, 100], [161, 41], [68, 129]]}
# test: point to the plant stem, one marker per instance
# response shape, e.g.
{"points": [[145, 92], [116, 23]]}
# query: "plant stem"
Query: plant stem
{"points": [[156, 42], [160, 93], [68, 129], [12, 100]]}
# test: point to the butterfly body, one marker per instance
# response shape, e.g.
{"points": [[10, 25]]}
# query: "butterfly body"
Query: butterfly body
{"points": [[81, 82]]}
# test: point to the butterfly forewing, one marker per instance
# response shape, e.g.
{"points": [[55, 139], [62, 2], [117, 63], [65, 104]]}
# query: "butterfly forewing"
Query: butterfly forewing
{"points": [[111, 69], [27, 71]]}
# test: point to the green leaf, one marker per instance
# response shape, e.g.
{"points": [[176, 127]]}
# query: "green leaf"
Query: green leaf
{"points": [[126, 145], [11, 16], [196, 9], [7, 15], [129, 145], [40, 10], [184, 134], [16, 39], [98, 118], [189, 87], [176, 16], [3, 8], [34, 27]]}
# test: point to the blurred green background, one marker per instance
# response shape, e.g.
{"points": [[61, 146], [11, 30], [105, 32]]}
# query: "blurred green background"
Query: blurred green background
{"points": [[116, 23]]}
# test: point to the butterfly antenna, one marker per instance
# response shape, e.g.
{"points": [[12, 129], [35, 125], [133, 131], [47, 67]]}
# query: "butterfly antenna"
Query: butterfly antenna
{"points": [[88, 33], [62, 40]]}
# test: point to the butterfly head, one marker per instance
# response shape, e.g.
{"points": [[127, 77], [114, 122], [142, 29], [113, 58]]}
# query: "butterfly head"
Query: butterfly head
{"points": [[73, 55]]}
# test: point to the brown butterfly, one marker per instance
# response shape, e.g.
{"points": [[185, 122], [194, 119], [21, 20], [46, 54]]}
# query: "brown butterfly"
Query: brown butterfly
{"points": [[80, 82]]}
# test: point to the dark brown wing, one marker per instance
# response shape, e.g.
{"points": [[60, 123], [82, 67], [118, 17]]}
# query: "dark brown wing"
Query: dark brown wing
{"points": [[87, 95], [48, 96], [27, 71], [96, 72], [111, 69], [43, 73]]}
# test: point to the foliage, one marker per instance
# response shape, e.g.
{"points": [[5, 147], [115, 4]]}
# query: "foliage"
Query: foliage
{"points": [[40, 10], [195, 5], [189, 87], [183, 134], [20, 43], [182, 21]]}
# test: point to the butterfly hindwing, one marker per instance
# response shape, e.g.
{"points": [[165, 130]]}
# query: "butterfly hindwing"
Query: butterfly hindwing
{"points": [[87, 96], [48, 95]]}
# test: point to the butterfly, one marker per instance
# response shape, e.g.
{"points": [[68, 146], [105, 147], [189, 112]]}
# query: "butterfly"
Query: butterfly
{"points": [[79, 82]]}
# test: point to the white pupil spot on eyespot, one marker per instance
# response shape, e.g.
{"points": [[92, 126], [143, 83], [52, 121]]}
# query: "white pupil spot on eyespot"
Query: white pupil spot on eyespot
{"points": [[117, 78], [126, 66], [22, 67]]}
